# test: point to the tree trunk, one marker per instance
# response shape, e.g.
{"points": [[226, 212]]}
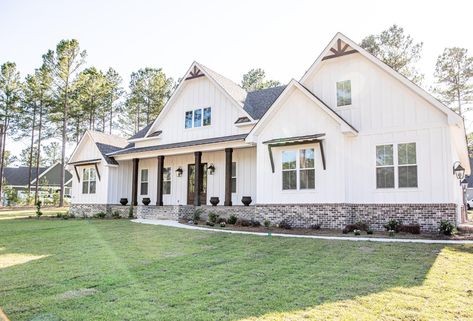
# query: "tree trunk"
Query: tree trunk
{"points": [[1, 162], [30, 162], [64, 142], [111, 115], [38, 153], [2, 154]]}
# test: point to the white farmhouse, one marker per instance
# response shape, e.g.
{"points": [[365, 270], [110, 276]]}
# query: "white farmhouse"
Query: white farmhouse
{"points": [[351, 141]]}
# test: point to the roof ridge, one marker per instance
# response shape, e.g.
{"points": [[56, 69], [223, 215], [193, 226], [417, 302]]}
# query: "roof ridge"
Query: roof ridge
{"points": [[226, 78]]}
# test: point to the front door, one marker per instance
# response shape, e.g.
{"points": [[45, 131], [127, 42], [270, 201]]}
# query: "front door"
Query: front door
{"points": [[191, 184]]}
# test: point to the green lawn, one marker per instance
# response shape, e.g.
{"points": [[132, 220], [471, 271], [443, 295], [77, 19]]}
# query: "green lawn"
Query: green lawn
{"points": [[118, 270], [19, 213]]}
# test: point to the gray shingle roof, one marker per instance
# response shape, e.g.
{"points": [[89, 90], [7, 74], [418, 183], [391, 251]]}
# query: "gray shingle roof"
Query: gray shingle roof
{"points": [[258, 102], [142, 132], [18, 176], [107, 149], [212, 140]]}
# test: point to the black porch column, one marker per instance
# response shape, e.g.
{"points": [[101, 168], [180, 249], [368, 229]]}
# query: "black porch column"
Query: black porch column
{"points": [[198, 180], [134, 183], [228, 177], [159, 189]]}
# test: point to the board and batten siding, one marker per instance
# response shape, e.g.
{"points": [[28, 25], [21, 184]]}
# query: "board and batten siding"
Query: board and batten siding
{"points": [[245, 158], [90, 153], [198, 93]]}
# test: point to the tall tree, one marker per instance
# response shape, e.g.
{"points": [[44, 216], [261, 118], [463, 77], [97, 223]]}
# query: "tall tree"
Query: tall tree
{"points": [[396, 49], [255, 79], [10, 159], [64, 64], [51, 153], [10, 95], [149, 90], [114, 92], [454, 78]]}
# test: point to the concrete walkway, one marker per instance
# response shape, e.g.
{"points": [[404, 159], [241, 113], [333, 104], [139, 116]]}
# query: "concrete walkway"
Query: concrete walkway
{"points": [[171, 223]]}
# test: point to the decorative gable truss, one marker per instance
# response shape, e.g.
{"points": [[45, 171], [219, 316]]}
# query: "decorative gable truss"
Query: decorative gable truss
{"points": [[341, 49], [195, 73]]}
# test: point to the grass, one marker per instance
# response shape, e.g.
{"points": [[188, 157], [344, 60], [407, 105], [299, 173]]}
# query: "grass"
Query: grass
{"points": [[118, 270], [21, 213]]}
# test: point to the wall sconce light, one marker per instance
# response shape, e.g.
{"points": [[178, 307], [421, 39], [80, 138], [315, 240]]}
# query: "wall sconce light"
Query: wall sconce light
{"points": [[211, 169], [179, 171], [464, 184], [458, 170]]}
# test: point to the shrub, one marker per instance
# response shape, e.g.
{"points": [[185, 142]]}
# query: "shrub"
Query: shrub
{"points": [[38, 209], [243, 222], [116, 215], [391, 232], [392, 225], [362, 226], [369, 232], [255, 223], [315, 227], [357, 232], [100, 215], [446, 227], [285, 224], [65, 216], [56, 199], [409, 228], [213, 217], [71, 215], [210, 223], [267, 223], [221, 220], [130, 212], [59, 215], [222, 224], [232, 219], [197, 213]]}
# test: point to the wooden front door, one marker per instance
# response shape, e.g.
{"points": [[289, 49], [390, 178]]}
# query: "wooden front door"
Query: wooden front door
{"points": [[191, 183]]}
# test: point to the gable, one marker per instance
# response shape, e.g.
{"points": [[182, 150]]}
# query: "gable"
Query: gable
{"points": [[85, 150], [199, 90], [53, 175]]}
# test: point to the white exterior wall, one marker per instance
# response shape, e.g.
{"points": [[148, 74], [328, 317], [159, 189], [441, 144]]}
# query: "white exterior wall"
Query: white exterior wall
{"points": [[90, 153], [384, 111], [245, 158], [198, 93]]}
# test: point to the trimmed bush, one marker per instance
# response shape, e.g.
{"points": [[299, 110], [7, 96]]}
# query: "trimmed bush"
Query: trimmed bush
{"points": [[243, 222], [285, 224], [213, 217], [446, 227], [197, 213], [267, 223], [221, 220], [362, 226], [116, 215], [209, 223], [255, 223], [232, 219], [409, 228], [369, 232], [100, 215], [392, 225], [315, 227]]}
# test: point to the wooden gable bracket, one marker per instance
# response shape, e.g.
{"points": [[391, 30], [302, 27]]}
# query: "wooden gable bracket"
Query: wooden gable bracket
{"points": [[77, 173], [195, 73], [97, 170], [340, 51]]}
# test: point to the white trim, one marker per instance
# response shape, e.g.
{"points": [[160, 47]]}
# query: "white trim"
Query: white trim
{"points": [[453, 118], [143, 139], [345, 127], [180, 87]]}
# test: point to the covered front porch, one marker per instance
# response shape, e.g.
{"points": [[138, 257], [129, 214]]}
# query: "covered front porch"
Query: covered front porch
{"points": [[187, 175]]}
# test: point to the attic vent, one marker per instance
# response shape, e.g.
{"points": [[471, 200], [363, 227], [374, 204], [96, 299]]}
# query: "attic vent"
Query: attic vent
{"points": [[341, 50], [195, 73]]}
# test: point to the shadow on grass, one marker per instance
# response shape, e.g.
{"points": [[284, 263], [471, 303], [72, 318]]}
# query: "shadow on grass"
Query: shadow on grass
{"points": [[159, 273]]}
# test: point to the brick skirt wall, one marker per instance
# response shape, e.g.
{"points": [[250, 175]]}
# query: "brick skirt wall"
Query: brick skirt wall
{"points": [[329, 215]]}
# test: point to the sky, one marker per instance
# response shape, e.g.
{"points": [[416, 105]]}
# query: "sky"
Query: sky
{"points": [[231, 37]]}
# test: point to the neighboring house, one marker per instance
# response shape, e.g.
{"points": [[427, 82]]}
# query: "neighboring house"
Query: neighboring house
{"points": [[16, 179], [469, 180], [352, 140]]}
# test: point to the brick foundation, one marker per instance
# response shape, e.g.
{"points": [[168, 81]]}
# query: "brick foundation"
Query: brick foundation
{"points": [[334, 216]]}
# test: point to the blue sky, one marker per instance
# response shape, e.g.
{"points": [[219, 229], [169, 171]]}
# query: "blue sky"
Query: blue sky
{"points": [[282, 37]]}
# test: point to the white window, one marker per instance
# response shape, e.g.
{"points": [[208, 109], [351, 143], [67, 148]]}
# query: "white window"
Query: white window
{"points": [[167, 180], [344, 93], [198, 117], [407, 165], [234, 177], [298, 169], [144, 182], [403, 165], [89, 181]]}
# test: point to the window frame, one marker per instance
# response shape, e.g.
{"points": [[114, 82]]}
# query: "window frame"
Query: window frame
{"points": [[193, 119], [144, 182], [396, 167], [336, 93], [234, 177], [89, 180], [298, 169], [167, 180]]}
